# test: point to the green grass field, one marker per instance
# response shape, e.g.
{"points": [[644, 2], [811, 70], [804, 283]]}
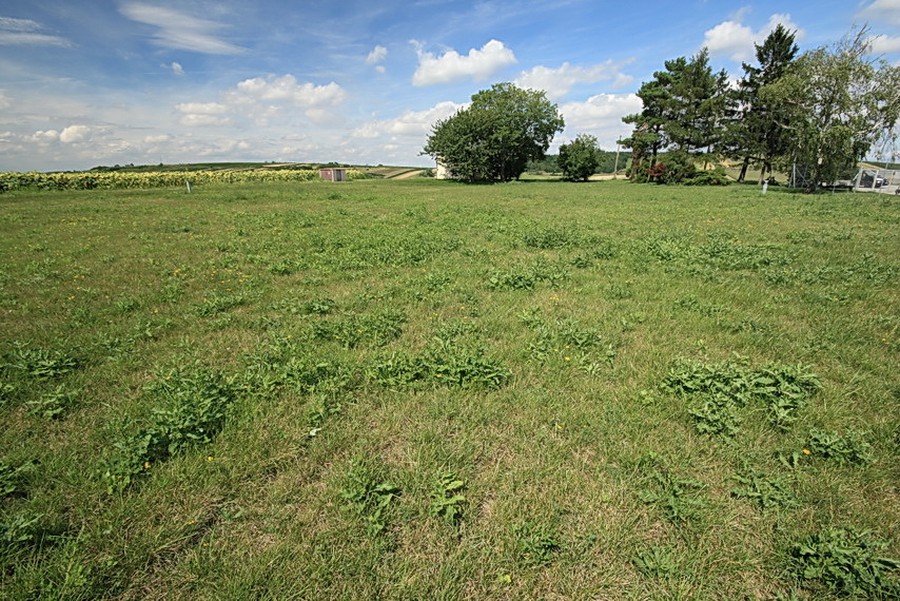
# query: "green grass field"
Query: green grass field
{"points": [[424, 390]]}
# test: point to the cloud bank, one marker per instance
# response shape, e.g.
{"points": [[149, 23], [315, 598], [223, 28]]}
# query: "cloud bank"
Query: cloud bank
{"points": [[478, 64]]}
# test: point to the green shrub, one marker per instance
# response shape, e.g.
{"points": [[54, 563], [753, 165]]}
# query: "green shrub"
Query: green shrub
{"points": [[13, 478], [39, 363], [537, 542], [678, 497], [192, 411], [443, 363], [55, 403], [655, 562], [764, 491], [717, 391], [849, 448], [716, 177], [367, 495], [674, 168], [846, 563], [447, 499]]}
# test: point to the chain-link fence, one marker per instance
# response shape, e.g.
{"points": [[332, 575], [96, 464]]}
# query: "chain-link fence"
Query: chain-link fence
{"points": [[885, 181], [867, 179]]}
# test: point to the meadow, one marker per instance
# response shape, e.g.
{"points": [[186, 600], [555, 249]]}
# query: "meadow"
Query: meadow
{"points": [[424, 390]]}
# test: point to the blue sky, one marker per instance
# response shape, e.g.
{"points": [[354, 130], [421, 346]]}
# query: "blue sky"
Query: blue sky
{"points": [[147, 81]]}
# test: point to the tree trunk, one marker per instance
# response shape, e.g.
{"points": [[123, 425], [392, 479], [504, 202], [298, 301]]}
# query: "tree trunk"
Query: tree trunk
{"points": [[812, 184], [743, 172]]}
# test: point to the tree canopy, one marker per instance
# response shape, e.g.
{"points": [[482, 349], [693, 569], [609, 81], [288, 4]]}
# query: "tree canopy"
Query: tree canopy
{"points": [[495, 137], [579, 159], [838, 103], [684, 109], [821, 112], [757, 131]]}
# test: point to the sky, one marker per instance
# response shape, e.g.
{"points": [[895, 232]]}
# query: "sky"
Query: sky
{"points": [[104, 82]]}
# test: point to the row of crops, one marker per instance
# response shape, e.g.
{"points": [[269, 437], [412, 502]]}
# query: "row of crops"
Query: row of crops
{"points": [[89, 180]]}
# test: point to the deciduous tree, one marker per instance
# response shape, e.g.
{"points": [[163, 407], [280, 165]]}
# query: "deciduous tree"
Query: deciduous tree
{"points": [[495, 137], [836, 103], [578, 160]]}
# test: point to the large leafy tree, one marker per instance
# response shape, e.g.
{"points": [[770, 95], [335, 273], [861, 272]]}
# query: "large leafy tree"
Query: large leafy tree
{"points": [[754, 133], [495, 137], [579, 159], [835, 103]]}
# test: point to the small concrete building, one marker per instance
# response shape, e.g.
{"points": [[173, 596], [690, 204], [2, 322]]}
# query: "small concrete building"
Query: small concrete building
{"points": [[333, 174], [442, 172]]}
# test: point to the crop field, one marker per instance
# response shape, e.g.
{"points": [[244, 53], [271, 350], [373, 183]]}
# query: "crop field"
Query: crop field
{"points": [[423, 390], [142, 179]]}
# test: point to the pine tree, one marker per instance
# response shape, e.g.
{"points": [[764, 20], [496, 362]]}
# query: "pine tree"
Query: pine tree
{"points": [[684, 106], [756, 132]]}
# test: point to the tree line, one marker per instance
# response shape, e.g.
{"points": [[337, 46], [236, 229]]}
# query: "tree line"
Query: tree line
{"points": [[506, 130], [815, 114]]}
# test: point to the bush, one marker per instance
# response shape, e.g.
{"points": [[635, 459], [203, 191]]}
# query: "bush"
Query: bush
{"points": [[675, 168], [846, 563], [578, 159], [716, 177]]}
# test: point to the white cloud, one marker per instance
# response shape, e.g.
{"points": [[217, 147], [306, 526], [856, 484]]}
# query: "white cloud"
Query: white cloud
{"points": [[883, 44], [600, 116], [287, 89], [25, 32], [45, 137], [557, 82], [378, 54], [179, 30], [734, 39], [200, 120], [176, 68], [452, 66], [12, 38], [621, 80], [411, 124], [263, 99], [74, 133], [11, 24], [730, 38], [783, 19], [882, 12], [202, 108], [202, 114]]}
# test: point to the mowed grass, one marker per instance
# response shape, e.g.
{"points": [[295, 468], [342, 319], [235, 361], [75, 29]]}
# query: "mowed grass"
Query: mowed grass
{"points": [[424, 390]]}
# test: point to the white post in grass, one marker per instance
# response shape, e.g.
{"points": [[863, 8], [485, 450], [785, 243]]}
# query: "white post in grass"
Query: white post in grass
{"points": [[616, 168], [188, 184]]}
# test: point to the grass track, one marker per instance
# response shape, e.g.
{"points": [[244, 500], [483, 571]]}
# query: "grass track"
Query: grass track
{"points": [[372, 333]]}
